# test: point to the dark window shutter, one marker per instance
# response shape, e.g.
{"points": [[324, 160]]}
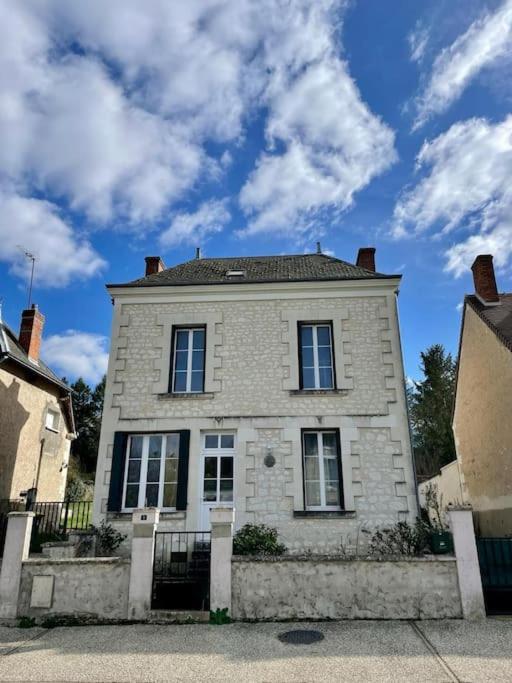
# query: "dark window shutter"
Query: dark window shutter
{"points": [[181, 495], [115, 493]]}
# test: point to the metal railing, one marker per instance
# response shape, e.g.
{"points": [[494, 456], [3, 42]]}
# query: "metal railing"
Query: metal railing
{"points": [[55, 519]]}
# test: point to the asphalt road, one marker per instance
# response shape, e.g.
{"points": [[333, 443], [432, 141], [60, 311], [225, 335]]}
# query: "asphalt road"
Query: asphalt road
{"points": [[350, 651]]}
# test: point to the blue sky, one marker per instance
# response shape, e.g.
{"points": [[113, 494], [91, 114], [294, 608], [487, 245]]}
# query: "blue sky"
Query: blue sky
{"points": [[133, 129]]}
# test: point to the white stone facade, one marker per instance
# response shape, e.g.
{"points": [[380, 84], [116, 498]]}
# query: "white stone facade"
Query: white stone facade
{"points": [[252, 390]]}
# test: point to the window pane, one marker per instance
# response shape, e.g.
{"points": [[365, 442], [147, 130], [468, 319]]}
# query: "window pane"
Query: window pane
{"points": [[323, 335], [133, 471], [172, 445], [153, 471], [180, 381], [324, 356], [152, 495], [310, 443], [181, 360], [169, 500], [171, 469], [136, 447], [226, 467], [325, 378], [132, 496], [306, 335], [210, 467], [211, 441], [308, 378], [226, 489], [197, 360], [155, 446], [312, 493], [182, 339], [307, 357], [332, 493], [210, 490], [197, 381], [227, 441], [198, 339], [329, 443], [311, 468], [331, 469]]}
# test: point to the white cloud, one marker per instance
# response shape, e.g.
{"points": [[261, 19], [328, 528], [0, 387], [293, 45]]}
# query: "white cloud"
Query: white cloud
{"points": [[195, 227], [36, 225], [488, 39], [77, 354], [334, 146], [468, 187], [418, 41]]}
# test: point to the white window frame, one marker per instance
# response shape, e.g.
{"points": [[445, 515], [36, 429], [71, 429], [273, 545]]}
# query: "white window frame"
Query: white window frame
{"points": [[54, 427], [321, 469], [190, 330], [218, 453], [316, 366], [144, 471]]}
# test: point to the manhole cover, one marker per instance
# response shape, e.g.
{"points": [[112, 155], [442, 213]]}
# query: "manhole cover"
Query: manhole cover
{"points": [[300, 637]]}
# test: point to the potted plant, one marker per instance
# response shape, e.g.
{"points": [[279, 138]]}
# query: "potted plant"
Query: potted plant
{"points": [[440, 537]]}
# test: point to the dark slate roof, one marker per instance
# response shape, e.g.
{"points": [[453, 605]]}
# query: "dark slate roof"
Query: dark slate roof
{"points": [[298, 268], [498, 318], [11, 348]]}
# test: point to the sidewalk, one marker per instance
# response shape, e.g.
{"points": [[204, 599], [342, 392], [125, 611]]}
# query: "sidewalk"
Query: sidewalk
{"points": [[350, 651]]}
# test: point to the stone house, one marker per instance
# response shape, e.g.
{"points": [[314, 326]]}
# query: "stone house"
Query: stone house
{"points": [[483, 402], [36, 415], [271, 384]]}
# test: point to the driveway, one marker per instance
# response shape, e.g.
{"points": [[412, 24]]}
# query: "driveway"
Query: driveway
{"points": [[350, 651]]}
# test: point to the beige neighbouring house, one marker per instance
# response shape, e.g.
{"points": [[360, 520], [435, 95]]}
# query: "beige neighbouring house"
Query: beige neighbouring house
{"points": [[271, 384], [36, 416], [482, 425]]}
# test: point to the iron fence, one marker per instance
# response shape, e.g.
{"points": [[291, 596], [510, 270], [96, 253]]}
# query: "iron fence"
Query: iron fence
{"points": [[181, 570]]}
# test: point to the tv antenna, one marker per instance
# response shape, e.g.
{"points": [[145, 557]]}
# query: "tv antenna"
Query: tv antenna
{"points": [[32, 258]]}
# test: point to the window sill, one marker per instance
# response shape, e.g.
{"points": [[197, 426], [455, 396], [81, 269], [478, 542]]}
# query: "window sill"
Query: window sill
{"points": [[318, 392], [51, 429], [186, 397], [326, 514], [127, 516]]}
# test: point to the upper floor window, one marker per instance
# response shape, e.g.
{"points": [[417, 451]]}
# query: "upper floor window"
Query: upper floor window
{"points": [[188, 361], [52, 420], [316, 357]]}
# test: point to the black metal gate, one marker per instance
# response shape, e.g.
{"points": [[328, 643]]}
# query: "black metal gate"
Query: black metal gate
{"points": [[181, 570], [495, 558]]}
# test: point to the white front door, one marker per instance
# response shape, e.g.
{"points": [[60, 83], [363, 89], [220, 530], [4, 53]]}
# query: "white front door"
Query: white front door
{"points": [[217, 470]]}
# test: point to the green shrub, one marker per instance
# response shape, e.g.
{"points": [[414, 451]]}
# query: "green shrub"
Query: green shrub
{"points": [[108, 539], [26, 622], [220, 617], [257, 539], [401, 539]]}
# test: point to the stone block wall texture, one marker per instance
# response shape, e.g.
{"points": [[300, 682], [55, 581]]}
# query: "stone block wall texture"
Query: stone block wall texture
{"points": [[24, 440], [335, 588], [96, 588], [252, 360]]}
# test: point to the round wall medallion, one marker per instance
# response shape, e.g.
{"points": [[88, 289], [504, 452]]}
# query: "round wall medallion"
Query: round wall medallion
{"points": [[269, 461], [300, 637]]}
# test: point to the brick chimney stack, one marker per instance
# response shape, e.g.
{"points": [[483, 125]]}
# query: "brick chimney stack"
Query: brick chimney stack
{"points": [[366, 258], [31, 332], [484, 279], [154, 264]]}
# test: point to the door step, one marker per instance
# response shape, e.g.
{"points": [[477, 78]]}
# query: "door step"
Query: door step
{"points": [[166, 616]]}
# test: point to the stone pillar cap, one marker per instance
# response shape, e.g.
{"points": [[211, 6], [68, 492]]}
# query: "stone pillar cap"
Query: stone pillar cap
{"points": [[222, 515]]}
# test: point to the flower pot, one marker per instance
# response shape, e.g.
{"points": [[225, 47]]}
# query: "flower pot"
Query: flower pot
{"points": [[441, 542]]}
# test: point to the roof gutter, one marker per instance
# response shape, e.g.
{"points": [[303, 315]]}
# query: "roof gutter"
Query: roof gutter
{"points": [[29, 366]]}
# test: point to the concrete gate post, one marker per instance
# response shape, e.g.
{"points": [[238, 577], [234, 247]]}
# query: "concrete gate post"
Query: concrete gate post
{"points": [[221, 520], [468, 568], [16, 550], [145, 522]]}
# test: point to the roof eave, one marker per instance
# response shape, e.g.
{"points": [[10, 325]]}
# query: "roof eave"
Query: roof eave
{"points": [[36, 370]]}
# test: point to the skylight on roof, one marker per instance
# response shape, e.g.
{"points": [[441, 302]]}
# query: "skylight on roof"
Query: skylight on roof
{"points": [[235, 273]]}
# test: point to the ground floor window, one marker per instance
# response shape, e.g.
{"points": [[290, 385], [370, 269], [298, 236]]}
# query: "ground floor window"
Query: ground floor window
{"points": [[151, 476], [322, 470]]}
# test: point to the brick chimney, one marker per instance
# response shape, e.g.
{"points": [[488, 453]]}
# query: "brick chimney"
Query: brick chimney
{"points": [[31, 332], [154, 264], [484, 279], [366, 258]]}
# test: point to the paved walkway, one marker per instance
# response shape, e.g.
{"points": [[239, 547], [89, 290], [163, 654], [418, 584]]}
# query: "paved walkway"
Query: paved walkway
{"points": [[350, 651]]}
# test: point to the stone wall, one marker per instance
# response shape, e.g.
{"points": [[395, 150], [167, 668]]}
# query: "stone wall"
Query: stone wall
{"points": [[95, 588], [331, 587]]}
